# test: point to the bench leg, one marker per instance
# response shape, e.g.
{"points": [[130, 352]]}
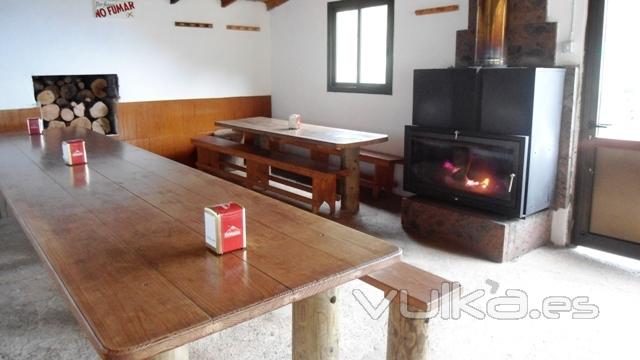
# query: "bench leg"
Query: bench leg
{"points": [[208, 158], [383, 179], [406, 338], [316, 329], [323, 190], [181, 353], [257, 175]]}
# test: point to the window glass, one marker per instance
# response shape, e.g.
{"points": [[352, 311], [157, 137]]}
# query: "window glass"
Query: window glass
{"points": [[347, 46], [619, 111], [373, 45]]}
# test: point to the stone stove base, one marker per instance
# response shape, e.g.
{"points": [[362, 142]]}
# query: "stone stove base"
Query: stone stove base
{"points": [[488, 236]]}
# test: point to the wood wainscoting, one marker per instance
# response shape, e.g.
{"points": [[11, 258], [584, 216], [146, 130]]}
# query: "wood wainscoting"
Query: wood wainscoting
{"points": [[165, 127], [15, 119]]}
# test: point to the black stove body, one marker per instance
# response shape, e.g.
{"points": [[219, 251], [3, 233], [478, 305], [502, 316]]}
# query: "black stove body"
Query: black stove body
{"points": [[487, 138]]}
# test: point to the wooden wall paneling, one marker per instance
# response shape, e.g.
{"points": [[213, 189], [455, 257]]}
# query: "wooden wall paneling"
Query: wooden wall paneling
{"points": [[164, 127], [15, 119]]}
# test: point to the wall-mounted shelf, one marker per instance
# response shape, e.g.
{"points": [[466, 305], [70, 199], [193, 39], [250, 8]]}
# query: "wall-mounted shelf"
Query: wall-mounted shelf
{"points": [[243, 28], [437, 10], [194, 24]]}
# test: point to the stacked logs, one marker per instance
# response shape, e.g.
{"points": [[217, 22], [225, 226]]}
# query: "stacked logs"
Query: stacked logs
{"points": [[82, 101]]}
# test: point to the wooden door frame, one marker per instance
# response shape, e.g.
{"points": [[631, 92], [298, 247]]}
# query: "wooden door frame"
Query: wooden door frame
{"points": [[588, 145]]}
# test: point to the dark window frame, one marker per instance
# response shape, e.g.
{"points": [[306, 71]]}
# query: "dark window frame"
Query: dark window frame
{"points": [[332, 86]]}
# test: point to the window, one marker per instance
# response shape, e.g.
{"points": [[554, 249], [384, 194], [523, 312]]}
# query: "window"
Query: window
{"points": [[619, 110], [360, 54]]}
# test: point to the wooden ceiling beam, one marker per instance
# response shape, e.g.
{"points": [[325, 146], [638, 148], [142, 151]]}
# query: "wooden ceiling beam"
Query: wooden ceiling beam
{"points": [[273, 3], [226, 3], [270, 3]]}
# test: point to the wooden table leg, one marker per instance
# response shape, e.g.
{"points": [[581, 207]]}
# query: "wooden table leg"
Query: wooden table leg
{"points": [[351, 186], [406, 338], [263, 142], [3, 207], [180, 353], [316, 329]]}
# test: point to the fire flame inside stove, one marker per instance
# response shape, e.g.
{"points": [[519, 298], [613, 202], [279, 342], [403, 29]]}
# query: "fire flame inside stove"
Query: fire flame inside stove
{"points": [[469, 183]]}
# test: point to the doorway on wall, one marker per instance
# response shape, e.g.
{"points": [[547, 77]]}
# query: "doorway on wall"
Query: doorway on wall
{"points": [[608, 190]]}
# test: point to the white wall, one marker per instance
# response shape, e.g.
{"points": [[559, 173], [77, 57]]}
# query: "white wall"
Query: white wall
{"points": [[154, 59], [299, 67], [571, 16], [299, 62]]}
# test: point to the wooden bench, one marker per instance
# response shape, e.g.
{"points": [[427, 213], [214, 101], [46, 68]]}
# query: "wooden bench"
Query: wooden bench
{"points": [[257, 167], [384, 171], [383, 164], [407, 337]]}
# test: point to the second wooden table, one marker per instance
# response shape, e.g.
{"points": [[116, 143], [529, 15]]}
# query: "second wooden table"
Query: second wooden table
{"points": [[347, 142]]}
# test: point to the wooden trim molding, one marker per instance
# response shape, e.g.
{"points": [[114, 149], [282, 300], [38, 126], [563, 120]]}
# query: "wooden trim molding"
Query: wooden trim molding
{"points": [[243, 27], [437, 10], [193, 24], [164, 127], [15, 119]]}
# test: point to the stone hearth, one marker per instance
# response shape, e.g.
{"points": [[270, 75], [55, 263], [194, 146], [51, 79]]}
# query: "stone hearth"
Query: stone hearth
{"points": [[491, 237]]}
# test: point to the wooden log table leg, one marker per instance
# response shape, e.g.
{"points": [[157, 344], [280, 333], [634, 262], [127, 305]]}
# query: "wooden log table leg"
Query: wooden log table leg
{"points": [[180, 353], [3, 207], [406, 338], [316, 329], [351, 186]]}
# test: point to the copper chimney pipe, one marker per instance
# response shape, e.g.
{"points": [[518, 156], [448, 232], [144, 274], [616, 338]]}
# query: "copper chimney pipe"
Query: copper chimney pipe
{"points": [[490, 32]]}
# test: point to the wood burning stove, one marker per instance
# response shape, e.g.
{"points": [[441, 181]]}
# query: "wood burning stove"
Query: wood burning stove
{"points": [[476, 170], [485, 138]]}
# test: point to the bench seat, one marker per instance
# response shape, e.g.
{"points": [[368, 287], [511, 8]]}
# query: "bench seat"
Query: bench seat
{"points": [[384, 165], [407, 337], [258, 169]]}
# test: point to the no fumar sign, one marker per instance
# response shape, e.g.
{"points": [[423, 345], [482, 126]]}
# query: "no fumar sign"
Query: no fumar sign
{"points": [[114, 9]]}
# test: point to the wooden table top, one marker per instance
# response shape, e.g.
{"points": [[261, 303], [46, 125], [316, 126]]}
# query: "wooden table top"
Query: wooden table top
{"points": [[314, 134], [127, 248]]}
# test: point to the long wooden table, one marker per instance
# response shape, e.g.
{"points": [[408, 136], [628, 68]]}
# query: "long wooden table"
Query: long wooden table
{"points": [[123, 237], [348, 142]]}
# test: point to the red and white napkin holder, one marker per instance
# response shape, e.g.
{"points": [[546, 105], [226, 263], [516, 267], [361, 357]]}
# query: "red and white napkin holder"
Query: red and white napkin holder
{"points": [[35, 126], [74, 152], [225, 228]]}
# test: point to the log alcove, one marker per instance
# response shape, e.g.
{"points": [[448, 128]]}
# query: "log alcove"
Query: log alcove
{"points": [[88, 101]]}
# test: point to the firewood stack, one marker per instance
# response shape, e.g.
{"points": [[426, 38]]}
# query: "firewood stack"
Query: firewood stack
{"points": [[88, 101]]}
